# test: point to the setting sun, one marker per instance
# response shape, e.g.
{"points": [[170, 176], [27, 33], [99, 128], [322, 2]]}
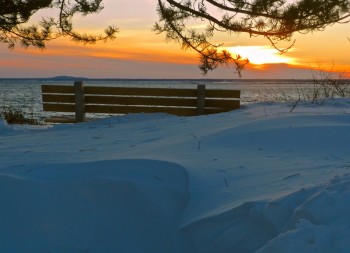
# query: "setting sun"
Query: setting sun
{"points": [[259, 55]]}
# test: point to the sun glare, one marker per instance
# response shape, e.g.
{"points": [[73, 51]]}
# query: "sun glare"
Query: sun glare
{"points": [[260, 55]]}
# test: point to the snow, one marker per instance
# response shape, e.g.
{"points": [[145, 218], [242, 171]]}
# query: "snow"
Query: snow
{"points": [[259, 179]]}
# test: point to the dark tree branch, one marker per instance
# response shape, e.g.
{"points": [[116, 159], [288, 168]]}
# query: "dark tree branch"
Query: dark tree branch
{"points": [[15, 14], [276, 20]]}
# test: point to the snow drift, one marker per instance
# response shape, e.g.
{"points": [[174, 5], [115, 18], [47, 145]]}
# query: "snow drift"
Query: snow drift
{"points": [[260, 179]]}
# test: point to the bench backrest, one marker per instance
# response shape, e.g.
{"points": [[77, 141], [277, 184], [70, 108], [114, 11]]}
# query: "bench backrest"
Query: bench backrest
{"points": [[82, 99]]}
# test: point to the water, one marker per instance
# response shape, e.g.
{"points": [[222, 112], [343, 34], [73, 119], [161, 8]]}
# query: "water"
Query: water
{"points": [[26, 93]]}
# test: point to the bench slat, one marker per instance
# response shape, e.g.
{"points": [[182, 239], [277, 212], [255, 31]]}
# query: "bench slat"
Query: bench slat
{"points": [[120, 109], [109, 100], [47, 98], [60, 119], [222, 103], [58, 107], [133, 91], [57, 89], [141, 91], [222, 93], [147, 101], [216, 110], [55, 98]]}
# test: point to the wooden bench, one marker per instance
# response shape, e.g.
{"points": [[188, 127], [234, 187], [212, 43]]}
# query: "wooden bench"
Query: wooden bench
{"points": [[80, 99]]}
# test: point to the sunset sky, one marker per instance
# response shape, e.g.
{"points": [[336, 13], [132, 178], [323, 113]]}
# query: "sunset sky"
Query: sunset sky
{"points": [[138, 52]]}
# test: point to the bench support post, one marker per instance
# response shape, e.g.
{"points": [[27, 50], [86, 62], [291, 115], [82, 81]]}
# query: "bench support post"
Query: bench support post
{"points": [[79, 102], [200, 99]]}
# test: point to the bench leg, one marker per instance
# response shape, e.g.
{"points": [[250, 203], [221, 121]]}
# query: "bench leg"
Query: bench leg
{"points": [[79, 102], [200, 99]]}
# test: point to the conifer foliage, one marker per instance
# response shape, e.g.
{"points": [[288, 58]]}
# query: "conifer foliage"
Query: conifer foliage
{"points": [[15, 25]]}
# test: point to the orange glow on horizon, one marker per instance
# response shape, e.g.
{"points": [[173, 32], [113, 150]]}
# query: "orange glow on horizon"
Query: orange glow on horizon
{"points": [[123, 48], [154, 50]]}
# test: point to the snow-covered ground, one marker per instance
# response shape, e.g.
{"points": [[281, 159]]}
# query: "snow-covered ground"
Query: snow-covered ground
{"points": [[259, 179]]}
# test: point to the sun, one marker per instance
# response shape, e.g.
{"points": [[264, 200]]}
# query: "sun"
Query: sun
{"points": [[260, 55]]}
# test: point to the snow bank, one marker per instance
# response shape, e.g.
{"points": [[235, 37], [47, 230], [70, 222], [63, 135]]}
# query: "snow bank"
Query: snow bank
{"points": [[319, 224], [260, 179], [108, 206], [315, 219]]}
